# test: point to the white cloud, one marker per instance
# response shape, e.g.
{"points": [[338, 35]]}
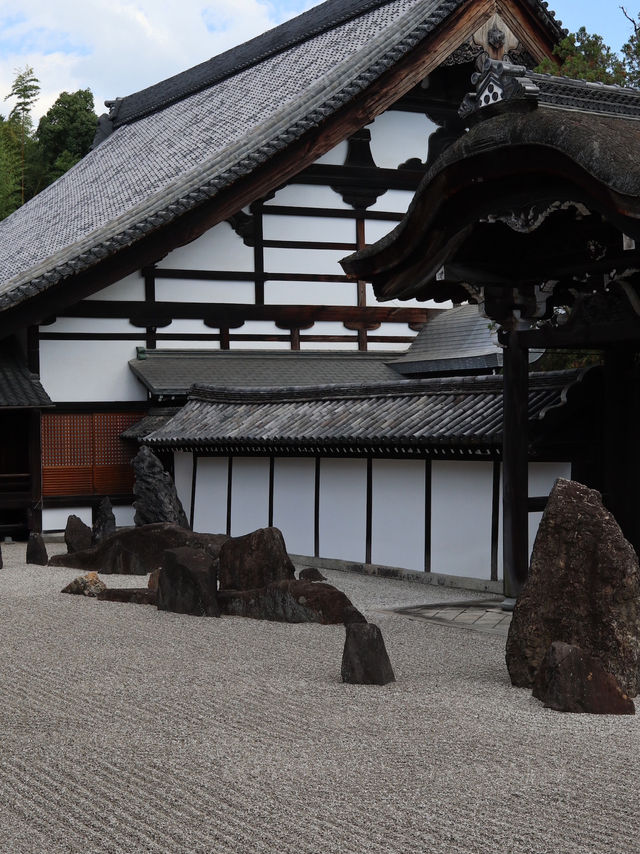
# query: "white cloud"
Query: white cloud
{"points": [[116, 47]]}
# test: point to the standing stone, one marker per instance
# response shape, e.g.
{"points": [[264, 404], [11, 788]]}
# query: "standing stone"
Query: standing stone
{"points": [[583, 589], [104, 523], [569, 680], [254, 560], [36, 550], [77, 535], [1, 564], [365, 660], [187, 583], [156, 499]]}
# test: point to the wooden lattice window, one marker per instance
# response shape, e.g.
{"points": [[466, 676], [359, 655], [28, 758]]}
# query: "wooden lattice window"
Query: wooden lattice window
{"points": [[83, 454]]}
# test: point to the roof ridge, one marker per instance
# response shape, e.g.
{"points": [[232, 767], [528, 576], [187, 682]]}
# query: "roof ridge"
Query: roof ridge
{"points": [[313, 22]]}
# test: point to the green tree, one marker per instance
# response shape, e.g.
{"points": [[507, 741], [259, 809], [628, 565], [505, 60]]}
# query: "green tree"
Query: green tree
{"points": [[631, 52], [65, 133], [9, 168], [25, 90], [585, 56]]}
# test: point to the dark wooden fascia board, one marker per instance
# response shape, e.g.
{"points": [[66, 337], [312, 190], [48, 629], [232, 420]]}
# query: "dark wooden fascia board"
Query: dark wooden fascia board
{"points": [[391, 86]]}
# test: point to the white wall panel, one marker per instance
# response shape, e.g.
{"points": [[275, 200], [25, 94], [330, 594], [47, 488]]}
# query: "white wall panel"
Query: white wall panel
{"points": [[393, 201], [326, 229], [397, 136], [210, 512], [375, 229], [220, 248], [330, 345], [260, 327], [124, 516], [183, 477], [249, 495], [311, 293], [188, 290], [90, 370], [343, 508], [461, 518], [95, 325], [306, 196], [294, 503], [336, 155], [398, 513], [387, 348], [55, 518], [179, 344], [129, 288], [542, 476], [312, 261]]}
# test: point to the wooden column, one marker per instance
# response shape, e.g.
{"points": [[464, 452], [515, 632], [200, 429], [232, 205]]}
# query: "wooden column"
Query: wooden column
{"points": [[515, 469]]}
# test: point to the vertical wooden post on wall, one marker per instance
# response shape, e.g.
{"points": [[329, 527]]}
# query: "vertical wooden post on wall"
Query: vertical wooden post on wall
{"points": [[35, 468], [369, 513], [495, 520], [229, 492], [515, 468], [427, 515], [194, 480], [316, 511]]}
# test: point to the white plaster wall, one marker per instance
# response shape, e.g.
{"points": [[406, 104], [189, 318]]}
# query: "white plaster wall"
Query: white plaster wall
{"points": [[375, 229], [387, 348], [188, 290], [55, 518], [124, 516], [183, 477], [260, 327], [461, 518], [249, 495], [220, 248], [542, 476], [343, 507], [311, 293], [328, 229], [90, 370], [314, 261], [210, 512], [398, 513], [294, 503], [95, 325], [336, 155], [189, 345], [396, 136], [393, 201], [308, 196], [129, 288]]}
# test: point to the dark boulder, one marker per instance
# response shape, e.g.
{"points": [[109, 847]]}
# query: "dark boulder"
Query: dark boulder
{"points": [[86, 585], [1, 564], [569, 680], [138, 551], [156, 499], [36, 550], [129, 595], [104, 521], [365, 660], [583, 589], [291, 601], [187, 583], [254, 560], [77, 535], [310, 573]]}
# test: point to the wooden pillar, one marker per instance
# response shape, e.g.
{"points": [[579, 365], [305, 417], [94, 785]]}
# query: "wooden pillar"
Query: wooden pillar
{"points": [[515, 466]]}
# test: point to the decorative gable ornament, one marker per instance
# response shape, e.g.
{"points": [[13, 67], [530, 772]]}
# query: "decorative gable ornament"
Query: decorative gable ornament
{"points": [[497, 82]]}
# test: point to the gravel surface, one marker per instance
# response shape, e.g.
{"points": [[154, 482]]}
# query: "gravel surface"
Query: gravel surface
{"points": [[125, 729]]}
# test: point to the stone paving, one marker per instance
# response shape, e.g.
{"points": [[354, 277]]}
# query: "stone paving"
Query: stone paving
{"points": [[480, 615]]}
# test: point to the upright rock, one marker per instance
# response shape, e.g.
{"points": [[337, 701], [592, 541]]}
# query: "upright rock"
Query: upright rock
{"points": [[254, 560], [187, 583], [36, 550], [104, 523], [77, 535], [569, 680], [156, 499], [365, 660], [583, 589], [1, 564]]}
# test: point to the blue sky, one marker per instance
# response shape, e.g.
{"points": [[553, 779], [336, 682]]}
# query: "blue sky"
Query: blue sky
{"points": [[116, 47]]}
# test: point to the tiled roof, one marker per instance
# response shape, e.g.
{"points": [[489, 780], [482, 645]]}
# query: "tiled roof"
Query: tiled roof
{"points": [[179, 144], [408, 416], [19, 388], [153, 421], [173, 372]]}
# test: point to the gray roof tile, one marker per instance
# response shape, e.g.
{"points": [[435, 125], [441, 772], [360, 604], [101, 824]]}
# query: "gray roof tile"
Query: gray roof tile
{"points": [[463, 413], [19, 388]]}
